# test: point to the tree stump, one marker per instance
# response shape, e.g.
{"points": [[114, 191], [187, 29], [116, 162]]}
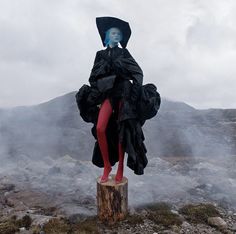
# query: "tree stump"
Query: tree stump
{"points": [[112, 200]]}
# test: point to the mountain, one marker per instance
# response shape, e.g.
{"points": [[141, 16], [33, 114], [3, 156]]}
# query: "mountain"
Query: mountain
{"points": [[55, 128]]}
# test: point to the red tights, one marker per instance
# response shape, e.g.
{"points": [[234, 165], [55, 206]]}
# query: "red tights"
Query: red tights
{"points": [[103, 118]]}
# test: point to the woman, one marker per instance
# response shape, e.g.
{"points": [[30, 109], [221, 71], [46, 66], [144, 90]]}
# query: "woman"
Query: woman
{"points": [[117, 124]]}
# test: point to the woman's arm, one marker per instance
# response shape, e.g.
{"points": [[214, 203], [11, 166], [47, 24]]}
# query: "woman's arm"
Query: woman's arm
{"points": [[92, 77], [136, 73], [101, 68]]}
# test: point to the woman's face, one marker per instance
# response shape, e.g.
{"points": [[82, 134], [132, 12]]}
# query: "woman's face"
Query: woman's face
{"points": [[115, 35]]}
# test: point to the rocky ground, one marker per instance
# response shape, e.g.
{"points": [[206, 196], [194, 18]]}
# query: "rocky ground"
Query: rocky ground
{"points": [[32, 212], [186, 195]]}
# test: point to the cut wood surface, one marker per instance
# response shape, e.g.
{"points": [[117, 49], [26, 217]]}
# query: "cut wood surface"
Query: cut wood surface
{"points": [[112, 200]]}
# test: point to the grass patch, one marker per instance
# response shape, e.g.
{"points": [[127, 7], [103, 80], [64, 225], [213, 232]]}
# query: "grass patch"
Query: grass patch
{"points": [[166, 219], [199, 213], [55, 226], [35, 229], [134, 219], [12, 224], [160, 213], [64, 226], [9, 226], [88, 226]]}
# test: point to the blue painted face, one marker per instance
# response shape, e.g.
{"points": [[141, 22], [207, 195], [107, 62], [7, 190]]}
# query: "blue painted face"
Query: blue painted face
{"points": [[113, 36]]}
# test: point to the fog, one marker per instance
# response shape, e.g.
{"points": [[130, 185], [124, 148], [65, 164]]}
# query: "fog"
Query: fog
{"points": [[191, 154]]}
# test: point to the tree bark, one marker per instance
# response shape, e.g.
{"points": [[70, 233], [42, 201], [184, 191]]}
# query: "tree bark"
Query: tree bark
{"points": [[112, 200]]}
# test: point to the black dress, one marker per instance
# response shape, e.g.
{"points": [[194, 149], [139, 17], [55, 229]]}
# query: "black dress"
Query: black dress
{"points": [[139, 103], [109, 62]]}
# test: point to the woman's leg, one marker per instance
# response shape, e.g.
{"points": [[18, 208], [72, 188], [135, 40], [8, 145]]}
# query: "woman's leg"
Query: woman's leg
{"points": [[103, 118], [119, 174]]}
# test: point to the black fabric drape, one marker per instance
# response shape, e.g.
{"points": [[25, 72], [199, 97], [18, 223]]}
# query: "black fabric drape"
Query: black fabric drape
{"points": [[139, 103]]}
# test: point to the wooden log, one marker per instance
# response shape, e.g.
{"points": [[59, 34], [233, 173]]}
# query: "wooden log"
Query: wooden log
{"points": [[112, 200]]}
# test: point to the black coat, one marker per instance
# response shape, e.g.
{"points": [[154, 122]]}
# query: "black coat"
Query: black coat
{"points": [[140, 102]]}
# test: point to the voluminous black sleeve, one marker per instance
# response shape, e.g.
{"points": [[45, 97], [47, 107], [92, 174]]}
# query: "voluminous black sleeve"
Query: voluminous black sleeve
{"points": [[92, 77], [136, 73]]}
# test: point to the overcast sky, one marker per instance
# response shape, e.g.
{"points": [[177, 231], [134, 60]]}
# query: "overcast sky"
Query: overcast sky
{"points": [[187, 48]]}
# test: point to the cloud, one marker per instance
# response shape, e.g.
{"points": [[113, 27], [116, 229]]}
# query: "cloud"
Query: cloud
{"points": [[186, 48]]}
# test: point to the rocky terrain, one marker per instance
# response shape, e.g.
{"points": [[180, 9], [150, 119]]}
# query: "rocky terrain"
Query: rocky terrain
{"points": [[183, 196], [48, 182], [30, 211]]}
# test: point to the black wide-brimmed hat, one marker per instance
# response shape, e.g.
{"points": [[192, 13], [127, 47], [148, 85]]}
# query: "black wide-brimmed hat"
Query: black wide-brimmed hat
{"points": [[105, 23]]}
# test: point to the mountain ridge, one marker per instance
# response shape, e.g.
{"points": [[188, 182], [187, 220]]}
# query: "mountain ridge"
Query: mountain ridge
{"points": [[55, 128]]}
